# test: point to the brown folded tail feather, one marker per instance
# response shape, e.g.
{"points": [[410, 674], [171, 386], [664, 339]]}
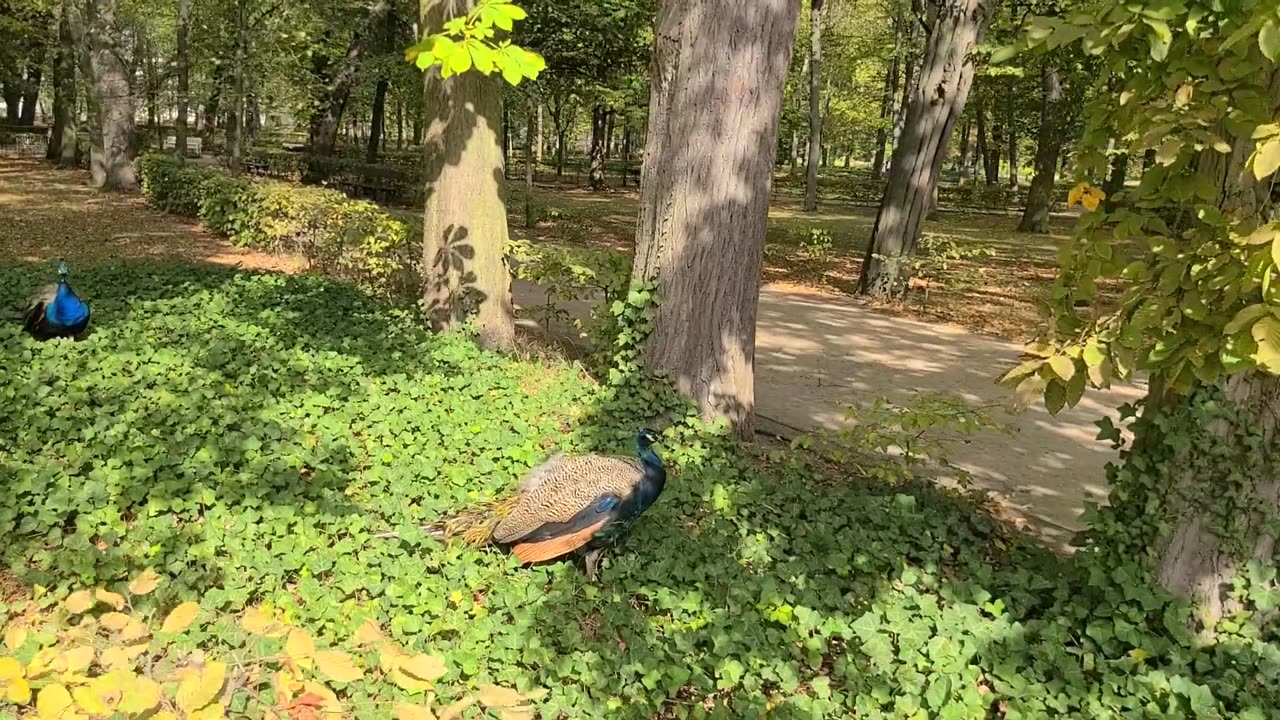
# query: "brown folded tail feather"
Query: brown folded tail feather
{"points": [[555, 547]]}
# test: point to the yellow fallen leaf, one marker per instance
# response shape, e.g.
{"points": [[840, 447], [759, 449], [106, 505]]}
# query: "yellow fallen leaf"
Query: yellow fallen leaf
{"points": [[407, 711], [134, 630], [180, 618], [115, 621], [79, 601], [144, 583], [369, 633], [390, 657], [300, 647], [408, 682], [287, 686], [199, 688], [52, 701], [337, 666], [18, 691], [144, 696], [424, 667], [163, 715], [523, 712], [456, 708], [494, 696], [121, 657], [88, 700], [14, 637], [10, 669], [216, 711], [257, 621], [78, 658], [42, 662], [331, 702], [115, 600]]}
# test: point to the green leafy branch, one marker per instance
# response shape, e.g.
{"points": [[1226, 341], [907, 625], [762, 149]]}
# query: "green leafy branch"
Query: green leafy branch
{"points": [[467, 42]]}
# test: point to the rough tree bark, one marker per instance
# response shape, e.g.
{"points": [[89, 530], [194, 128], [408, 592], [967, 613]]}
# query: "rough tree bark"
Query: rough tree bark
{"points": [[718, 72], [936, 103], [378, 120], [112, 161], [464, 229], [815, 106], [183, 61], [62, 136], [1049, 140], [901, 102], [599, 133]]}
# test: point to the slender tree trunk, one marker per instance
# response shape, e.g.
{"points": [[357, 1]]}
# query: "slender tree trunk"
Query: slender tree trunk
{"points": [[378, 120], [31, 90], [886, 114], [903, 101], [989, 174], [531, 138], [718, 72], [599, 126], [184, 77], [62, 137], [465, 273], [1011, 129], [212, 106], [626, 152], [114, 101], [327, 120], [936, 104], [815, 106], [1035, 218], [235, 128], [965, 168], [608, 134], [538, 141], [399, 121]]}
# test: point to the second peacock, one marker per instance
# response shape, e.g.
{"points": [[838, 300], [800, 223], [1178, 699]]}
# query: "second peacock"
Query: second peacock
{"points": [[570, 504]]}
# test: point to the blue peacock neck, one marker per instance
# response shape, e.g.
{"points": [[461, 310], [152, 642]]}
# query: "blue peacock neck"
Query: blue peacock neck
{"points": [[655, 473]]}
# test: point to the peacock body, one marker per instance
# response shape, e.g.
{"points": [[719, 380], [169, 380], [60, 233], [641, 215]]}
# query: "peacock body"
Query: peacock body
{"points": [[568, 505], [56, 311]]}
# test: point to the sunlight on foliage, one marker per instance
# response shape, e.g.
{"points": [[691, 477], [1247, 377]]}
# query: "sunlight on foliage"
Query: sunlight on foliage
{"points": [[467, 42]]}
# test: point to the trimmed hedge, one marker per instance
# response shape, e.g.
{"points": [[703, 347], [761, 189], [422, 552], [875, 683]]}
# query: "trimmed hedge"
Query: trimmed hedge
{"points": [[354, 240]]}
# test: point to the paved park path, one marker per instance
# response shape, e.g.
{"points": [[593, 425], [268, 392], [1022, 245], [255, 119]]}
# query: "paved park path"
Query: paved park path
{"points": [[816, 353]]}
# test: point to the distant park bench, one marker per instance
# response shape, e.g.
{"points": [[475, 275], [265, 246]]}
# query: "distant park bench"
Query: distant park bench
{"points": [[194, 145]]}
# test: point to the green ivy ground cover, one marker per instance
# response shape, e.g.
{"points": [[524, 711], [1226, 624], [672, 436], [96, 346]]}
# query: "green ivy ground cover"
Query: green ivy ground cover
{"points": [[246, 434]]}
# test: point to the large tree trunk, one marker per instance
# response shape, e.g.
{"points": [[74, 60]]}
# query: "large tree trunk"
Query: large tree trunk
{"points": [[327, 119], [902, 101], [599, 131], [109, 84], [31, 89], [815, 106], [1035, 218], [465, 221], [718, 72], [62, 136], [378, 121], [183, 61], [936, 103]]}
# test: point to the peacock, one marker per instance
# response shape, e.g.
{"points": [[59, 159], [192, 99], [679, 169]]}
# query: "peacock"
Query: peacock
{"points": [[581, 504], [56, 311]]}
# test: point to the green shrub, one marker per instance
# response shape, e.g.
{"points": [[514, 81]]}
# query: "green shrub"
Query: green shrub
{"points": [[351, 239]]}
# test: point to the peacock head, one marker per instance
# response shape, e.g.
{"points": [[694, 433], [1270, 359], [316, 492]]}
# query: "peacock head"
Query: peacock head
{"points": [[647, 437], [62, 268]]}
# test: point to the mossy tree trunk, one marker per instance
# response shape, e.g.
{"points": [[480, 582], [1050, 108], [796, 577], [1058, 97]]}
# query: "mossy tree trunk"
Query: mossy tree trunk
{"points": [[718, 72], [465, 271]]}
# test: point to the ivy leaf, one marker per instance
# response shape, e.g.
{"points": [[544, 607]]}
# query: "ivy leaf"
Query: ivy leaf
{"points": [[180, 618]]}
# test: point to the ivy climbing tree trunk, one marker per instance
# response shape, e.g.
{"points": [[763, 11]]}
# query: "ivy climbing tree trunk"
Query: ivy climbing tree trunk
{"points": [[937, 100], [717, 79], [1049, 139], [815, 106], [465, 273], [62, 136]]}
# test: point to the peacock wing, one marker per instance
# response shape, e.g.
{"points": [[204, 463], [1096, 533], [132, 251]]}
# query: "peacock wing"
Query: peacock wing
{"points": [[565, 491], [33, 314]]}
